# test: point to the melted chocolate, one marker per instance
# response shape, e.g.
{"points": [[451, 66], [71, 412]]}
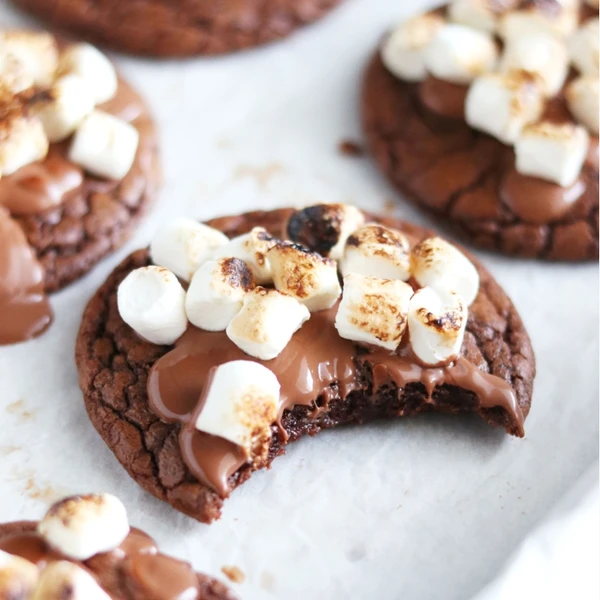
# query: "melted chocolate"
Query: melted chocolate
{"points": [[316, 363], [24, 309], [154, 575], [443, 98], [536, 200]]}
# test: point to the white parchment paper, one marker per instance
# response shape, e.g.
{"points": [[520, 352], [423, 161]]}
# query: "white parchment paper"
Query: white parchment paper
{"points": [[425, 508]]}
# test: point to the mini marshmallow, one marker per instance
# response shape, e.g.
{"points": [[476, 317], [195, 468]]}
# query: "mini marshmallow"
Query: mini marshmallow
{"points": [[240, 404], [18, 577], [459, 54], [266, 323], [502, 104], [22, 139], [436, 324], [83, 526], [152, 302], [377, 251], [479, 14], [216, 293], [184, 245], [556, 18], [584, 48], [373, 311], [37, 52], [582, 98], [64, 579], [324, 228], [62, 108], [105, 145], [403, 51], [252, 248], [541, 54], [304, 275], [93, 67], [552, 151], [444, 268], [13, 76]]}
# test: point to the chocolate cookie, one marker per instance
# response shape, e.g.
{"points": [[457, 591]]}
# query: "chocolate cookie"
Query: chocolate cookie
{"points": [[133, 570], [346, 382], [498, 193], [161, 28], [75, 198]]}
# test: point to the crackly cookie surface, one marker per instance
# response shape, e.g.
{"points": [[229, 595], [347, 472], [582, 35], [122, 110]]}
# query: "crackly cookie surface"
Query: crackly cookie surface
{"points": [[84, 549], [487, 115], [164, 28], [78, 167], [190, 417]]}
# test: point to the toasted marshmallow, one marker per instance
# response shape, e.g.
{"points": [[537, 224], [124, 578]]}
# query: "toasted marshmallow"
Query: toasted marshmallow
{"points": [[552, 151], [502, 104], [325, 228], [443, 267], [373, 311], [305, 275], [377, 251], [18, 577], [266, 323], [459, 54], [582, 97], [62, 108], [252, 248], [403, 51], [539, 53], [216, 293], [479, 14], [82, 526], [22, 139], [240, 404], [583, 48], [105, 145], [37, 52], [152, 302], [64, 579], [14, 78], [94, 67], [184, 245], [558, 18], [436, 324]]}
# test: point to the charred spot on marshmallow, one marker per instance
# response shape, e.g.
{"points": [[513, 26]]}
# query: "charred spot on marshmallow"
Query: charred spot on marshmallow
{"points": [[371, 308], [449, 321], [237, 273], [316, 227], [324, 228], [68, 508]]}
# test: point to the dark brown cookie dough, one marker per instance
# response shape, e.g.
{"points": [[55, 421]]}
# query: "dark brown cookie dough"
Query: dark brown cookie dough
{"points": [[114, 363], [112, 577], [71, 238], [182, 27], [455, 172]]}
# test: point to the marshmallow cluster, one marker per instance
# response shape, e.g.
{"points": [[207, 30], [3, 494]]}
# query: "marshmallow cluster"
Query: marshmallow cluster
{"points": [[77, 528], [378, 307], [47, 96], [508, 93], [225, 276]]}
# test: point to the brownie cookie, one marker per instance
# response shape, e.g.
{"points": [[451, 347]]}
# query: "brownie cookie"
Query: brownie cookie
{"points": [[489, 119], [84, 549], [162, 28], [78, 168], [145, 400]]}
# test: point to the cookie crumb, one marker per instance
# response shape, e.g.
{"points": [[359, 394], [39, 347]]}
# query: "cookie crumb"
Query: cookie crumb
{"points": [[350, 148], [233, 573]]}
